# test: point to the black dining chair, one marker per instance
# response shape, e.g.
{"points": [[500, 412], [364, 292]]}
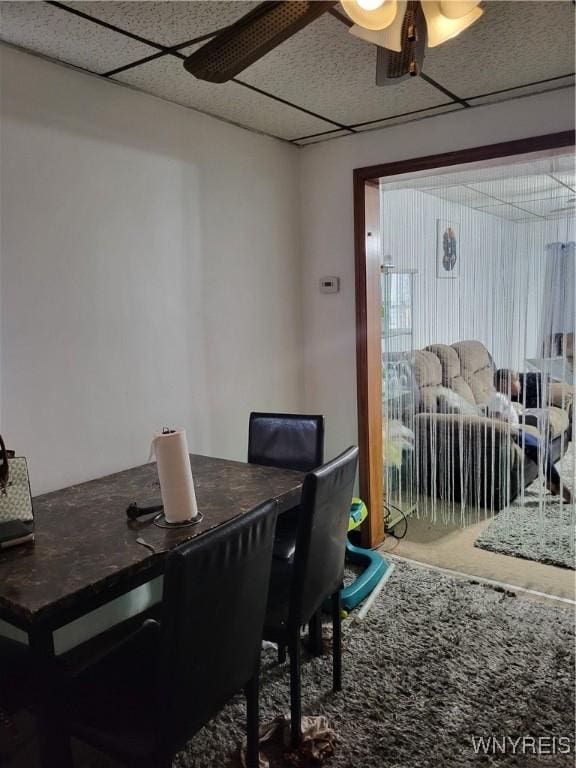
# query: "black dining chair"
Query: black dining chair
{"points": [[315, 572], [147, 698], [287, 441]]}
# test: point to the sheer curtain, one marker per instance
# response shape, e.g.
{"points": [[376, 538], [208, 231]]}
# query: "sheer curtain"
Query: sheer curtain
{"points": [[558, 300], [506, 303]]}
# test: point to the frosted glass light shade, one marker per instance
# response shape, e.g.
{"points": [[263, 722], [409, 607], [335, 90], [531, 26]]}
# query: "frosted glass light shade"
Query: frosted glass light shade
{"points": [[370, 5], [440, 27], [379, 18], [456, 9], [391, 37]]}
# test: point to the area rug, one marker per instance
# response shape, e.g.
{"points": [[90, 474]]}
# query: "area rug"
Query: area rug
{"points": [[437, 662], [535, 531], [442, 673]]}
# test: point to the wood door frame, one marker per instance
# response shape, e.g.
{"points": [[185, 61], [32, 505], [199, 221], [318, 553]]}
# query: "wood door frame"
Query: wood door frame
{"points": [[367, 270]]}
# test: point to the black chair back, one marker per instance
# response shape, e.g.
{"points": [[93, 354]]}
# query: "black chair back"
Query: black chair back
{"points": [[215, 591], [321, 538], [286, 440]]}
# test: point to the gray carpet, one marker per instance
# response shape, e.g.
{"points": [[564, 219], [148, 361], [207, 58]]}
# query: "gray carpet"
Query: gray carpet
{"points": [[437, 661], [524, 530]]}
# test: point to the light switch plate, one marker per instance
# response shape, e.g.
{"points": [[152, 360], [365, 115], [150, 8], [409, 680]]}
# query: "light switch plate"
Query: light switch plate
{"points": [[329, 284]]}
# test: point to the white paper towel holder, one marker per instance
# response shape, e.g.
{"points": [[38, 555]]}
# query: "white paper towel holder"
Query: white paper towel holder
{"points": [[161, 522]]}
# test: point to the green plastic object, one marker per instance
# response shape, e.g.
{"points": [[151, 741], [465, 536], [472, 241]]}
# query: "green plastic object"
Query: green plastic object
{"points": [[376, 566], [358, 513]]}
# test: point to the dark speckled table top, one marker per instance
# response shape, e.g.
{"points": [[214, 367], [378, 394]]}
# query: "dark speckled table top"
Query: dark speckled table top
{"points": [[85, 547]]}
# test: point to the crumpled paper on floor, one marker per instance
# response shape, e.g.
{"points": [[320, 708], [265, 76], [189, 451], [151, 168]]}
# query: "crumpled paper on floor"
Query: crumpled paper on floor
{"points": [[317, 745]]}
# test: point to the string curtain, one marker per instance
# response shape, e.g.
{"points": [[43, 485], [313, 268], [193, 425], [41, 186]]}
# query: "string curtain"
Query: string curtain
{"points": [[558, 297], [491, 251]]}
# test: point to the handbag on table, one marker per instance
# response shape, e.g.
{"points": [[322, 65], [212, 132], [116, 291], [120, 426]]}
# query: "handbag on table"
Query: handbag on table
{"points": [[16, 514]]}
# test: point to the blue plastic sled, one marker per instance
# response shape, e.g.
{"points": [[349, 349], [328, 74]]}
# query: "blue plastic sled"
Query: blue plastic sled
{"points": [[376, 566]]}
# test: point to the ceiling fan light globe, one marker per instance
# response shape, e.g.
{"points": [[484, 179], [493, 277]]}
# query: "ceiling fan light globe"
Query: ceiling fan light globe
{"points": [[370, 5], [456, 9], [391, 37], [380, 18], [440, 27]]}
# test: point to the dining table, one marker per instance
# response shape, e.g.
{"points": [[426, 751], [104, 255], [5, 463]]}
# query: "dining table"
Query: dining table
{"points": [[87, 553]]}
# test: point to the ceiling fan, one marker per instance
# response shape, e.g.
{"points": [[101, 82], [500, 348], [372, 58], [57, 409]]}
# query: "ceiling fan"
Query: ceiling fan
{"points": [[401, 30]]}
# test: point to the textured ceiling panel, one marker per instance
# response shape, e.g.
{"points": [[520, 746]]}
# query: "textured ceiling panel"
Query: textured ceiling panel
{"points": [[398, 119], [506, 212], [462, 195], [167, 78], [522, 188], [325, 69], [552, 205], [514, 43], [167, 23], [519, 192], [61, 35], [569, 178], [562, 164], [528, 90], [322, 137]]}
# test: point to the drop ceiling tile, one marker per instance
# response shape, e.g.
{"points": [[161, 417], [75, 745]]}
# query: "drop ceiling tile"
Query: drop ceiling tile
{"points": [[554, 164], [566, 179], [322, 137], [167, 78], [520, 188], [512, 44], [505, 212], [428, 182], [462, 195], [526, 197], [442, 180], [528, 90], [553, 205], [63, 36], [562, 164], [167, 23], [329, 71], [528, 200], [408, 118], [564, 216], [471, 175], [544, 198]]}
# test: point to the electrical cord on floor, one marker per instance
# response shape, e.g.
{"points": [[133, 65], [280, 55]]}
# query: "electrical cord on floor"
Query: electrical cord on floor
{"points": [[387, 514]]}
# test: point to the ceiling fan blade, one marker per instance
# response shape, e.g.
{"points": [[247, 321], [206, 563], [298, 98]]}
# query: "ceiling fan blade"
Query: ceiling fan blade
{"points": [[251, 37], [392, 66]]}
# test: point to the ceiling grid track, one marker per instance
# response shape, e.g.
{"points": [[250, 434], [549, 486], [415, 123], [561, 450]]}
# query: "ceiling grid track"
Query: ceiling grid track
{"points": [[340, 127]]}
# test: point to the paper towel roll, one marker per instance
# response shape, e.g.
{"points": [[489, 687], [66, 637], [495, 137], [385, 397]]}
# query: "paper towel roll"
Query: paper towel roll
{"points": [[175, 475]]}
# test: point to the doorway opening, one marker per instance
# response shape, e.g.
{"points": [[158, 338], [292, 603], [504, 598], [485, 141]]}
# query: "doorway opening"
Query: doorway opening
{"points": [[465, 265]]}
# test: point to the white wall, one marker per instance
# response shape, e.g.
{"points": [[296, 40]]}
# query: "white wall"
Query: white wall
{"points": [[531, 240], [446, 310], [497, 297], [327, 230], [149, 274], [126, 219]]}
